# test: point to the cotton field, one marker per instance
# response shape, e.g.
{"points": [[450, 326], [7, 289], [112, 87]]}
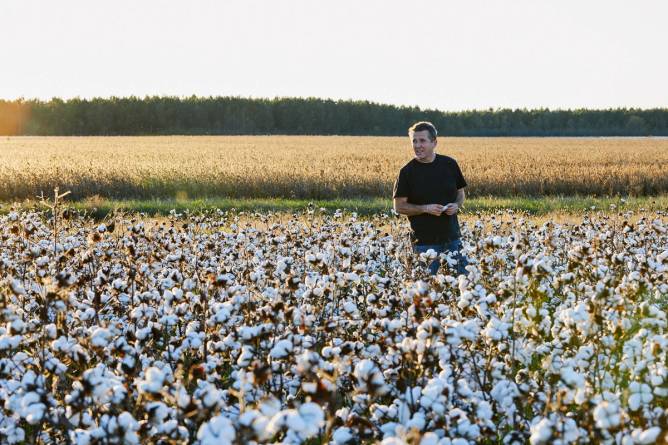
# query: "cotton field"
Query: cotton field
{"points": [[323, 328]]}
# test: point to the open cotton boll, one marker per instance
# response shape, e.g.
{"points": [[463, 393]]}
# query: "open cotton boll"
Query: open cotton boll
{"points": [[247, 354], [255, 420], [352, 277], [394, 325], [304, 422], [313, 417], [647, 436], [572, 378], [281, 349], [209, 395], [31, 408], [430, 254], [429, 439], [79, 437], [106, 385], [641, 394], [342, 436], [129, 425], [153, 381], [158, 410], [9, 341], [100, 337], [541, 432], [350, 307], [369, 378], [607, 415], [17, 287], [217, 431], [504, 393]]}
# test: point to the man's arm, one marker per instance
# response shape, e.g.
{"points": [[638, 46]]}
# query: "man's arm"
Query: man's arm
{"points": [[402, 206], [454, 207]]}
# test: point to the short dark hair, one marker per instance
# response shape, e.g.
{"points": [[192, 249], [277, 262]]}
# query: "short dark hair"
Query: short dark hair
{"points": [[422, 126]]}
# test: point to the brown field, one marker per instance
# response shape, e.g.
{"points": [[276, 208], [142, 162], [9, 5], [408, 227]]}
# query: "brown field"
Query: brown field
{"points": [[321, 167]]}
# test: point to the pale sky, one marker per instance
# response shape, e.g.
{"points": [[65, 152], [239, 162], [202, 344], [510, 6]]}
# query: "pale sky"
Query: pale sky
{"points": [[449, 55]]}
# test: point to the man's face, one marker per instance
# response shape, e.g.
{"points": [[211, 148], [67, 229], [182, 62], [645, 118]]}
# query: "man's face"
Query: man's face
{"points": [[423, 146]]}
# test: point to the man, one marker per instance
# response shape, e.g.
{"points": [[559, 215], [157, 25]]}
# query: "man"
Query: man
{"points": [[430, 191]]}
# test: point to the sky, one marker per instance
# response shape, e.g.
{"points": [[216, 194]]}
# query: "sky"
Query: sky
{"points": [[447, 55]]}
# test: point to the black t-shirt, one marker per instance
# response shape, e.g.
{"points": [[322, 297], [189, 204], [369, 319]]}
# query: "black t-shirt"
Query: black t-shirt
{"points": [[434, 183]]}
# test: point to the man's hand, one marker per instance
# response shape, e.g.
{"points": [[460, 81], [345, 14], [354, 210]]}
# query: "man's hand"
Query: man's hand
{"points": [[403, 207], [451, 208], [433, 209]]}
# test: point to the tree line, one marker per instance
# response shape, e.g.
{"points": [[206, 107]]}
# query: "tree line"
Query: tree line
{"points": [[235, 115]]}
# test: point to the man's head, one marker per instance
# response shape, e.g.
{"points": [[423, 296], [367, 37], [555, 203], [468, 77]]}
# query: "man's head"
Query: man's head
{"points": [[423, 136]]}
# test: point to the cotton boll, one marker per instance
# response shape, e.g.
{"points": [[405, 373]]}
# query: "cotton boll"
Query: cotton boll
{"points": [[465, 299], [17, 287], [417, 421], [647, 436], [128, 424], [352, 277], [572, 378], [153, 382], [343, 436], [80, 437], [641, 394], [100, 337], [255, 420], [581, 396], [484, 411], [211, 396], [305, 422], [282, 349], [217, 431], [247, 333], [313, 418], [570, 431], [541, 432], [350, 307], [607, 415], [369, 378], [106, 385], [17, 326], [247, 354], [221, 315], [188, 285], [429, 439], [31, 408], [496, 329], [9, 342], [182, 397], [394, 325], [504, 393], [463, 388]]}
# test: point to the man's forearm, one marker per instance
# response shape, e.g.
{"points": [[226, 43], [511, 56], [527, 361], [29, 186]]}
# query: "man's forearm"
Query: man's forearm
{"points": [[460, 198], [408, 209]]}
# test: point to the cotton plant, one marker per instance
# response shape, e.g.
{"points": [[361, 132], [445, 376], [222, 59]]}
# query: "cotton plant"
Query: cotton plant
{"points": [[225, 327]]}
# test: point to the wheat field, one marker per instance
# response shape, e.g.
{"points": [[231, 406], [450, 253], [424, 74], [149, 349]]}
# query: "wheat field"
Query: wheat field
{"points": [[321, 167]]}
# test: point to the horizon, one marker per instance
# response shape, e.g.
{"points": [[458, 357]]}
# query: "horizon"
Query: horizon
{"points": [[326, 99]]}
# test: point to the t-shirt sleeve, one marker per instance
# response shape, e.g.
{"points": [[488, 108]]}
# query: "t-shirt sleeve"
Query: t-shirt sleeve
{"points": [[459, 177], [401, 188]]}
